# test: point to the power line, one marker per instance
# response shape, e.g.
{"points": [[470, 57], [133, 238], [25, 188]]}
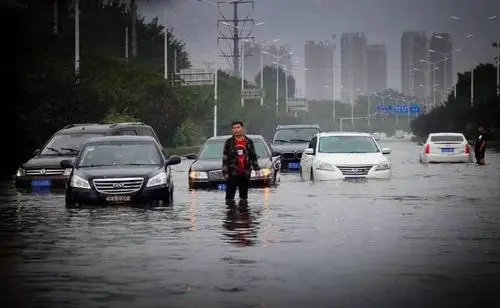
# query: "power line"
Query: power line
{"points": [[237, 27]]}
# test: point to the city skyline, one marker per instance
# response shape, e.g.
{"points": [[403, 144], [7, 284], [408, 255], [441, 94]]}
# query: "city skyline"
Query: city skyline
{"points": [[382, 22]]}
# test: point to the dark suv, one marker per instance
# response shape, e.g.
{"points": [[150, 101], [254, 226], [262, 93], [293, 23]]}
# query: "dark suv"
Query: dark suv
{"points": [[291, 141], [43, 171]]}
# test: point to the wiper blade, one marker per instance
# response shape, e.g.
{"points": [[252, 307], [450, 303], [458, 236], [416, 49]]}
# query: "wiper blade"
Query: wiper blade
{"points": [[55, 150], [300, 140], [70, 149], [281, 140]]}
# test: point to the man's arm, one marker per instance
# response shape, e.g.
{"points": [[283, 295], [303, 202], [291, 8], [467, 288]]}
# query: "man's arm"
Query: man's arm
{"points": [[225, 159], [253, 156], [484, 141]]}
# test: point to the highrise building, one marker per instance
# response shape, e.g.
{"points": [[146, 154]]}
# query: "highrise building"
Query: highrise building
{"points": [[271, 52], [414, 68], [354, 65], [252, 60], [376, 58], [441, 62], [319, 70]]}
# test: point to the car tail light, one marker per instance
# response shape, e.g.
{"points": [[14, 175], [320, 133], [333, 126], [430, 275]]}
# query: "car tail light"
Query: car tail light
{"points": [[467, 148], [427, 149]]}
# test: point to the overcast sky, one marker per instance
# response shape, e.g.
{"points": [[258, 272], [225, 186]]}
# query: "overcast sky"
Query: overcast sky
{"points": [[382, 21]]}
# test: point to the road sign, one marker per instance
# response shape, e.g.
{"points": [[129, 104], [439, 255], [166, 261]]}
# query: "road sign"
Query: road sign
{"points": [[196, 77], [399, 109], [252, 93], [297, 104]]}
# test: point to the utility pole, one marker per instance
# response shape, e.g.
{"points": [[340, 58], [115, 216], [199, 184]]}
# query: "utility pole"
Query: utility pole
{"points": [[134, 28], [236, 27]]}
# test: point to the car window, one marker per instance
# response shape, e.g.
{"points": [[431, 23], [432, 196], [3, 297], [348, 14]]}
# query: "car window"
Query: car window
{"points": [[347, 144], [111, 154], [63, 143], [312, 144], [447, 138], [128, 131], [294, 135], [214, 149]]}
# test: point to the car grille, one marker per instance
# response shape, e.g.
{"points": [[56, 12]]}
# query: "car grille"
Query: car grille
{"points": [[42, 172], [118, 185], [288, 156], [215, 175], [355, 170]]}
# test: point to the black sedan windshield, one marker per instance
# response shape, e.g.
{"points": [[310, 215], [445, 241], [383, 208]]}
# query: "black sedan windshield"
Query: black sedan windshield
{"points": [[213, 150], [111, 154]]}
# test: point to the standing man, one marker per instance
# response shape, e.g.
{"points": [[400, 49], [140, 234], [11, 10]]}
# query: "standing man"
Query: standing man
{"points": [[237, 159], [480, 145]]}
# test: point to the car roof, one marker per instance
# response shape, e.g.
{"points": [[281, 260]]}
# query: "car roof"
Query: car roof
{"points": [[118, 139], [446, 134], [95, 128], [225, 137], [330, 134], [297, 126]]}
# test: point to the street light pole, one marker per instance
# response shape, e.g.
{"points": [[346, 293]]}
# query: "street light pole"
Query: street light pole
{"points": [[242, 72], [333, 79], [277, 85], [165, 52], [261, 77]]}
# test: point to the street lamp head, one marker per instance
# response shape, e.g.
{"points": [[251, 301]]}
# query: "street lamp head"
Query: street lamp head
{"points": [[493, 17], [469, 35], [259, 23], [432, 50], [457, 18]]}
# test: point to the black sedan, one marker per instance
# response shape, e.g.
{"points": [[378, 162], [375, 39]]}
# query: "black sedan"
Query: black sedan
{"points": [[206, 170], [120, 169]]}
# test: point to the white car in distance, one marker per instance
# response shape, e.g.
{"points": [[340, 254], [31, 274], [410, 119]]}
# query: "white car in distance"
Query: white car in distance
{"points": [[445, 148], [344, 155]]}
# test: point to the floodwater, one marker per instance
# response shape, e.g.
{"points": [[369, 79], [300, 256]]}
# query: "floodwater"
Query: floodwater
{"points": [[429, 237]]}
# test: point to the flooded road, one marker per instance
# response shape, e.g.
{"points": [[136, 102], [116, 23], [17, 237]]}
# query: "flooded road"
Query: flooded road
{"points": [[430, 236]]}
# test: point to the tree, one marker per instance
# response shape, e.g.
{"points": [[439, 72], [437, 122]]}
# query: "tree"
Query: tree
{"points": [[458, 114]]}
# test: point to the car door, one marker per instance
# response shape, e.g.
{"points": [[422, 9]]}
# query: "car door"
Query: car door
{"points": [[307, 160]]}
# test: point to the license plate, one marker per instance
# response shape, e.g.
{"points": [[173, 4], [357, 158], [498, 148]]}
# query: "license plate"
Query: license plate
{"points": [[447, 150], [293, 165], [118, 198], [221, 186], [41, 183]]}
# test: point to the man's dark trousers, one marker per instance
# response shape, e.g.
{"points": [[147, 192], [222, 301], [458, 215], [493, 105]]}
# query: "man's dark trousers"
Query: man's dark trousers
{"points": [[239, 182]]}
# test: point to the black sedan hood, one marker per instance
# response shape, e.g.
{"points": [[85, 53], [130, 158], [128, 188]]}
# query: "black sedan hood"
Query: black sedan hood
{"points": [[216, 164], [48, 162], [119, 171], [289, 147]]}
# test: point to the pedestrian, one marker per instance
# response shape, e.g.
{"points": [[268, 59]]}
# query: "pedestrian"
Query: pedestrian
{"points": [[237, 160], [480, 144]]}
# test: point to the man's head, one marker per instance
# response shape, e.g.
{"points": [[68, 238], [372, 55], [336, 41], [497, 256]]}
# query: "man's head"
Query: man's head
{"points": [[237, 127], [480, 128]]}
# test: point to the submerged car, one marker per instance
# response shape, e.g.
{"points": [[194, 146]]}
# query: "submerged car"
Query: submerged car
{"points": [[206, 170], [43, 171], [336, 156], [291, 141], [120, 169], [446, 148]]}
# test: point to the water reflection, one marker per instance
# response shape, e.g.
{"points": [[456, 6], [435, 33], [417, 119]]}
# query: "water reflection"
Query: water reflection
{"points": [[240, 225]]}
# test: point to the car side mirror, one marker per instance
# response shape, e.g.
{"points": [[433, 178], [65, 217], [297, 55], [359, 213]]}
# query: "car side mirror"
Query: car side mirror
{"points": [[309, 151], [276, 153], [36, 152], [173, 160], [66, 164], [191, 156], [386, 151]]}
